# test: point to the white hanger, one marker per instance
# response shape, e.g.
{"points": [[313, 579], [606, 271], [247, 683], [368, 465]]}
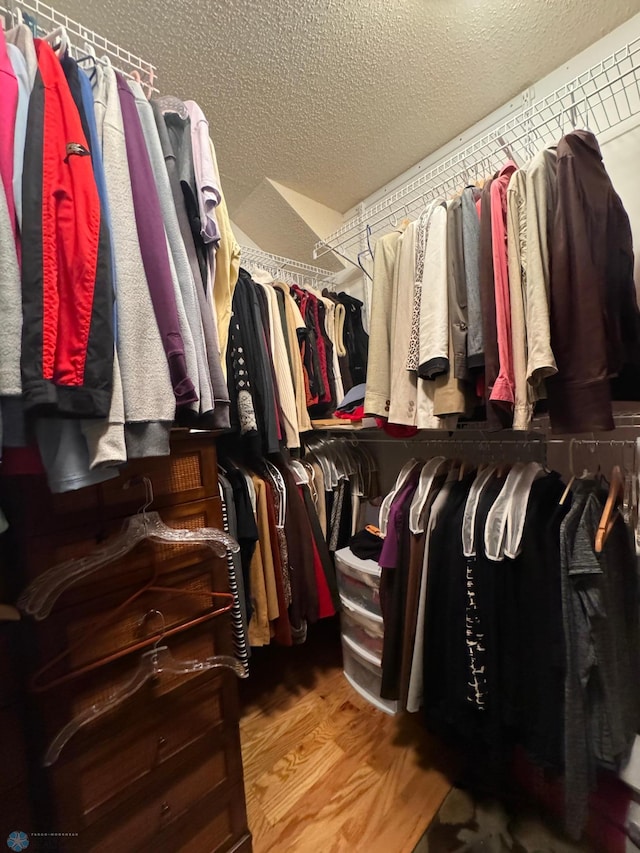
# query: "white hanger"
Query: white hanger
{"points": [[505, 522], [59, 41], [435, 466], [480, 483], [385, 506]]}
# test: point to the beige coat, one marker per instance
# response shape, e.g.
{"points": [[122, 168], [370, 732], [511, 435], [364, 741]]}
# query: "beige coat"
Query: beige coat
{"points": [[378, 392]]}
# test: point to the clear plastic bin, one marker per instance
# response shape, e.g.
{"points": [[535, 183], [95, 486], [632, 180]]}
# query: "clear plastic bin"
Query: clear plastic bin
{"points": [[365, 629], [365, 676], [359, 580]]}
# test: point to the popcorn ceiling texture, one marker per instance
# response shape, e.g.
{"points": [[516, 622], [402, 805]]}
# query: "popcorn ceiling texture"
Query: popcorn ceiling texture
{"points": [[336, 97]]}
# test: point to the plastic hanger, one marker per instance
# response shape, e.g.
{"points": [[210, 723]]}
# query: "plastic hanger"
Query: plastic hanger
{"points": [[153, 663], [607, 519], [435, 466], [59, 41], [282, 491], [39, 598], [385, 506]]}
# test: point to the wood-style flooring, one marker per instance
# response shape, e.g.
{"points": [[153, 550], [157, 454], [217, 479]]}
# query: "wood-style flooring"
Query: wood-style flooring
{"points": [[325, 772]]}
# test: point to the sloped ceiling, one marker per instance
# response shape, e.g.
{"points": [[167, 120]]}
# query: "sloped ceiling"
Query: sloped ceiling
{"points": [[333, 98]]}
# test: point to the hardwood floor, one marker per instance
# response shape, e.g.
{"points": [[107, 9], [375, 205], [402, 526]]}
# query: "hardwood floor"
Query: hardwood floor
{"points": [[325, 772]]}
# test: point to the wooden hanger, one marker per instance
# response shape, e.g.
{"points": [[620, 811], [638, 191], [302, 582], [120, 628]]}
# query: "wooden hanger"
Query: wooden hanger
{"points": [[39, 684], [9, 613], [607, 520]]}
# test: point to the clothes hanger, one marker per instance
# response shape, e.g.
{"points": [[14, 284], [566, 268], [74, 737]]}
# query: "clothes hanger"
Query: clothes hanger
{"points": [[483, 477], [607, 519], [282, 491], [152, 664], [385, 506], [431, 469], [346, 258], [59, 41], [38, 685], [150, 87], [40, 596]]}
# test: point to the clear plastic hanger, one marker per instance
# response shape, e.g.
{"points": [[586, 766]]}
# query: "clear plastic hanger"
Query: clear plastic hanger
{"points": [[153, 663], [431, 469], [39, 598], [282, 491], [385, 506]]}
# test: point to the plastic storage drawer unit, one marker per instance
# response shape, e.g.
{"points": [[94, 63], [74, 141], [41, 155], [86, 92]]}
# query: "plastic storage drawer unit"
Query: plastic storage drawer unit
{"points": [[359, 580], [365, 629], [362, 671]]}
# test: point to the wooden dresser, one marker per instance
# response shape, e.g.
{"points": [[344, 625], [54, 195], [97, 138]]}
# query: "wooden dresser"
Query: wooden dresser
{"points": [[163, 771]]}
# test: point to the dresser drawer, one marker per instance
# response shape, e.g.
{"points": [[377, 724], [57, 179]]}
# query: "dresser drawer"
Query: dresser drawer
{"points": [[57, 706], [10, 686], [122, 625], [13, 764], [111, 762], [15, 811], [148, 823], [218, 825], [189, 474]]}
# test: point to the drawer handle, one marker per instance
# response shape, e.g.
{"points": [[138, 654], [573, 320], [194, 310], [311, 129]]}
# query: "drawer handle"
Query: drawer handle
{"points": [[162, 742]]}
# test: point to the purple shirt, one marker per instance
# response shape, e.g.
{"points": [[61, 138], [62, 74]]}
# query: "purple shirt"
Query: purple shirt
{"points": [[389, 555], [153, 246]]}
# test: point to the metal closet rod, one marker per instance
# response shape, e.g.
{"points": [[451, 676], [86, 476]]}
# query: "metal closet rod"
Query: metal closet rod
{"points": [[448, 440], [594, 442], [484, 440]]}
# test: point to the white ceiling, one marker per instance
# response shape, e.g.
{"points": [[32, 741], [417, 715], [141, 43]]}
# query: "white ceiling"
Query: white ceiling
{"points": [[333, 98]]}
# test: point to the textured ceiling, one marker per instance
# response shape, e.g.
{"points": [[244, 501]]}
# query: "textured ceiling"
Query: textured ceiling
{"points": [[333, 98]]}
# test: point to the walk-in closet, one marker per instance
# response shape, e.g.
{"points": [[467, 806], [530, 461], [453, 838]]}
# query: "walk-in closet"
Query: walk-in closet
{"points": [[320, 426]]}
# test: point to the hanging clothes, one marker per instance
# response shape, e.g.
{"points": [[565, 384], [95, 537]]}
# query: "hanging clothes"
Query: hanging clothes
{"points": [[592, 289]]}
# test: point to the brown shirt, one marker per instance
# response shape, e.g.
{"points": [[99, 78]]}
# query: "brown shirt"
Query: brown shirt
{"points": [[595, 324]]}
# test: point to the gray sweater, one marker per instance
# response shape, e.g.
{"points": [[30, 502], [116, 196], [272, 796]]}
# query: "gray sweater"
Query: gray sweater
{"points": [[147, 396], [600, 612]]}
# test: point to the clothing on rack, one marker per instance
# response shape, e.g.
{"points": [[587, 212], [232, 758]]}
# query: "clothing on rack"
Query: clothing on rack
{"points": [[287, 344], [284, 570], [114, 318], [513, 306], [506, 626]]}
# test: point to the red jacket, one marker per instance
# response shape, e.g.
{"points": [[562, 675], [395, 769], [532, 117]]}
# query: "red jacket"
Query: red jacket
{"points": [[67, 289]]}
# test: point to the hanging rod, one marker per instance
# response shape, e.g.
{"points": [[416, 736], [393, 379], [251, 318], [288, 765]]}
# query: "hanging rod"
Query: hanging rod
{"points": [[302, 273], [594, 442], [600, 98], [43, 19], [360, 437]]}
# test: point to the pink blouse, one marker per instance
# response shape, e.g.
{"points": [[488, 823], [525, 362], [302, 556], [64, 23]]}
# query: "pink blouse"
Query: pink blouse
{"points": [[504, 388]]}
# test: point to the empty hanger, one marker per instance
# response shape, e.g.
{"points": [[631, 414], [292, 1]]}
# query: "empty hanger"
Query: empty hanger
{"points": [[41, 595], [153, 663]]}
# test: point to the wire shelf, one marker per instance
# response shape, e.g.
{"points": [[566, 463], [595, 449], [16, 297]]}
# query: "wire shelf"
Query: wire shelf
{"points": [[43, 19], [600, 98], [300, 273]]}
